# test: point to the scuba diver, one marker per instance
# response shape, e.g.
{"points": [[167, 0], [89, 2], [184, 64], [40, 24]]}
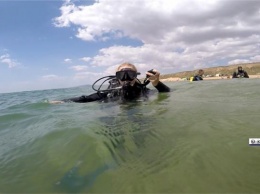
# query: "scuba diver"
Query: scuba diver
{"points": [[198, 77], [124, 85], [240, 73], [123, 133]]}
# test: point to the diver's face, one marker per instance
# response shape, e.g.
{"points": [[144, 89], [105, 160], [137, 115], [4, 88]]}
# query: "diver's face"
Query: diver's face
{"points": [[126, 75], [201, 73], [239, 69]]}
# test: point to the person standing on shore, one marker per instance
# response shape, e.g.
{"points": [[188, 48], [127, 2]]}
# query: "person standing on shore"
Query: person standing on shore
{"points": [[240, 73]]}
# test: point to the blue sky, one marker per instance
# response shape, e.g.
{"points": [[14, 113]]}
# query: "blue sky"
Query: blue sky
{"points": [[57, 44]]}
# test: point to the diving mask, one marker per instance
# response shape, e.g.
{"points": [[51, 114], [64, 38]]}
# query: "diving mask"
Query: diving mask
{"points": [[126, 74]]}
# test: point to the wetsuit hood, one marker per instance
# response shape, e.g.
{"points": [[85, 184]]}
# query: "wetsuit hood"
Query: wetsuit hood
{"points": [[240, 70]]}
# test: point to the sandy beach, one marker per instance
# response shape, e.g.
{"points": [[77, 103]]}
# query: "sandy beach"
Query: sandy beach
{"points": [[172, 79]]}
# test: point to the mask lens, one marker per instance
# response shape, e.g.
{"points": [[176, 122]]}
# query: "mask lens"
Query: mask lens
{"points": [[126, 75], [131, 74], [120, 75]]}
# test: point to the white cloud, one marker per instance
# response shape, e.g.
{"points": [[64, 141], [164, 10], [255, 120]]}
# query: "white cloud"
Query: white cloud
{"points": [[238, 61], [86, 59], [88, 73], [176, 35], [6, 59], [255, 58], [51, 77], [79, 68], [86, 77], [67, 9], [67, 60]]}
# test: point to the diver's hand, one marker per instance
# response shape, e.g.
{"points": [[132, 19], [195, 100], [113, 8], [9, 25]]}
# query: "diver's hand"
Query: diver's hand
{"points": [[154, 78]]}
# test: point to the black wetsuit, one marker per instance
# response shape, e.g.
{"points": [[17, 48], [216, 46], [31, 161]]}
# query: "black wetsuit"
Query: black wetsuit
{"points": [[240, 74], [197, 78], [136, 91]]}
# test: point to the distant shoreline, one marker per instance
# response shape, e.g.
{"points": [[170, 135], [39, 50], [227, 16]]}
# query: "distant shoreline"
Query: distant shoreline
{"points": [[173, 79]]}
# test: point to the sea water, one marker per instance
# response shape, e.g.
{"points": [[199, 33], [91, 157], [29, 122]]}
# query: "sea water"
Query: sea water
{"points": [[194, 139]]}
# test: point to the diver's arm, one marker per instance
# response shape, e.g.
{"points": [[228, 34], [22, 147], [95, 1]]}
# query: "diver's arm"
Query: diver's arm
{"points": [[155, 79], [89, 98], [161, 87], [234, 75], [245, 74]]}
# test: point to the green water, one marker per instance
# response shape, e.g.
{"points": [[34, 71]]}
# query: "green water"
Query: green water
{"points": [[192, 140]]}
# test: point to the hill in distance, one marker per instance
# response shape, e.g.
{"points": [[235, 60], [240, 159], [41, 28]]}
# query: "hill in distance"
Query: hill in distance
{"points": [[250, 68]]}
